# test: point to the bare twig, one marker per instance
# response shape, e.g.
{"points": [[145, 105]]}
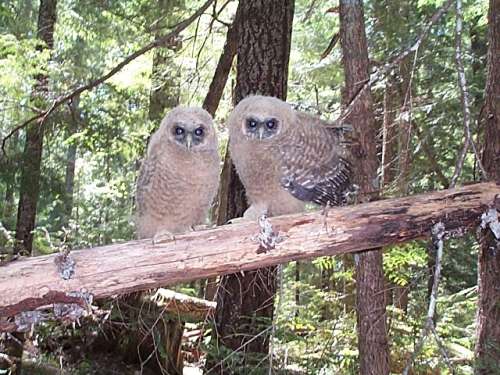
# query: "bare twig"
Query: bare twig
{"points": [[331, 45], [462, 83], [309, 11], [443, 351], [64, 98], [438, 233]]}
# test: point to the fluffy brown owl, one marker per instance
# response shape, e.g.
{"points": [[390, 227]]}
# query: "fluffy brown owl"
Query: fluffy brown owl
{"points": [[286, 158], [179, 176]]}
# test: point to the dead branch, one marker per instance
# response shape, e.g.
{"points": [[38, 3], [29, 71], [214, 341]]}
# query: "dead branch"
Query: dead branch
{"points": [[64, 98], [223, 68], [331, 45], [438, 234], [30, 283]]}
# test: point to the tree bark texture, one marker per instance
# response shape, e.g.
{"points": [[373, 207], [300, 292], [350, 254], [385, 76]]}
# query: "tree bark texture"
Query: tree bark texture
{"points": [[32, 155], [245, 300], [488, 315], [370, 298], [141, 265]]}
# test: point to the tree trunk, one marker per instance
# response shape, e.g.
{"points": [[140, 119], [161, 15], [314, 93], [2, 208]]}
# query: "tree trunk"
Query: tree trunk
{"points": [[32, 156], [488, 315], [245, 301], [370, 301], [405, 126], [223, 68], [9, 171], [389, 133], [69, 177], [8, 208], [297, 288], [30, 174]]}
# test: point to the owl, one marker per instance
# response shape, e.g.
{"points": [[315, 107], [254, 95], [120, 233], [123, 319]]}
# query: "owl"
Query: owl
{"points": [[286, 158], [179, 177]]}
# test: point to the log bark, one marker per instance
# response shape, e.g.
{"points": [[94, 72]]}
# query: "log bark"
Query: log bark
{"points": [[106, 271]]}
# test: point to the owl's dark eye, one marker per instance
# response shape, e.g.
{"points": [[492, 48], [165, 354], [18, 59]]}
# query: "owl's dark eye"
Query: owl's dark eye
{"points": [[178, 130], [199, 132], [251, 123], [271, 124]]}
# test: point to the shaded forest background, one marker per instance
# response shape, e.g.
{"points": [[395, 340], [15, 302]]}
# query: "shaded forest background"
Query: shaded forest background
{"points": [[93, 145]]}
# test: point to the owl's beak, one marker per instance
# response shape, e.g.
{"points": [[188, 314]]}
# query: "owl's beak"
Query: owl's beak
{"points": [[189, 141], [261, 132]]}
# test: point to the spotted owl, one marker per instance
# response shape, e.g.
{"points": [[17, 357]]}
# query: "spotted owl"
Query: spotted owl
{"points": [[286, 158], [179, 177]]}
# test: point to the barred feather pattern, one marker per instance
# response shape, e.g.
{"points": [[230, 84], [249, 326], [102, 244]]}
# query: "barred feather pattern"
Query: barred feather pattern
{"points": [[314, 164], [306, 161]]}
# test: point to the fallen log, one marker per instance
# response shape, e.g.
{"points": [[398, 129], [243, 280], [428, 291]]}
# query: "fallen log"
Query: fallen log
{"points": [[106, 271], [182, 305]]}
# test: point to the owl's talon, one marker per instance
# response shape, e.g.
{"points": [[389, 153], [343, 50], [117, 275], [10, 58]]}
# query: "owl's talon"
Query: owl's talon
{"points": [[162, 237], [237, 220], [198, 227]]}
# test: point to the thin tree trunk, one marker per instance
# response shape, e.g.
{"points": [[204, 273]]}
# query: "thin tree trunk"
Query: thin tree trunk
{"points": [[8, 208], [245, 300], [488, 316], [389, 133], [405, 126], [9, 166], [69, 177], [223, 68], [30, 174], [370, 301], [297, 289], [32, 156]]}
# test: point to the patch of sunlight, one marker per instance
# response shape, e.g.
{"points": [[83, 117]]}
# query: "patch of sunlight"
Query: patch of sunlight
{"points": [[135, 75]]}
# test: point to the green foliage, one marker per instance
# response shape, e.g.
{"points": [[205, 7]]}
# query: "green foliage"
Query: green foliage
{"points": [[401, 262]]}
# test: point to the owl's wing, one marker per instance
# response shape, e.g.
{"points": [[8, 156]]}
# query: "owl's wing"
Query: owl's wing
{"points": [[314, 165], [144, 183]]}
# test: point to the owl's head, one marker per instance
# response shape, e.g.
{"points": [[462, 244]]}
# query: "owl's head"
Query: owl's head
{"points": [[187, 128], [260, 118]]}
